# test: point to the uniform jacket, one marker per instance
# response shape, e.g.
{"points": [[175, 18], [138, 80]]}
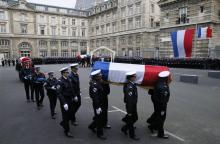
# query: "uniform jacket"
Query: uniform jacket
{"points": [[49, 84], [39, 79], [74, 77]]}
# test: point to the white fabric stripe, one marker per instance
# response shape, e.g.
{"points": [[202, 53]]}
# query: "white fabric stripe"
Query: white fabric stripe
{"points": [[204, 32], [117, 72], [180, 43]]}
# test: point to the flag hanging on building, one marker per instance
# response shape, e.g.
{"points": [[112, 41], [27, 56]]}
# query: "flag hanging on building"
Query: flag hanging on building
{"points": [[204, 32], [182, 42]]}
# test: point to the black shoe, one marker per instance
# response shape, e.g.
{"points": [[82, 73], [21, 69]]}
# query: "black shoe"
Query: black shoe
{"points": [[92, 129], [38, 108], [163, 136], [68, 134], [53, 117], [107, 127], [102, 137], [150, 128], [74, 123], [124, 131], [134, 138], [41, 105]]}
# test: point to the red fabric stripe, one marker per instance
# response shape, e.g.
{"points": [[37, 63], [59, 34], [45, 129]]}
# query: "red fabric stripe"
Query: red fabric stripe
{"points": [[189, 34], [209, 33], [151, 74]]}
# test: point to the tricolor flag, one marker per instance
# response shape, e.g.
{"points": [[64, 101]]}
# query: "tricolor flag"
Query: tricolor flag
{"points": [[115, 72], [182, 42], [204, 32]]}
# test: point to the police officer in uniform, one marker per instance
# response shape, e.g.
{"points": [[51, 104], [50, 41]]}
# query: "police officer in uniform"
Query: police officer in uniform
{"points": [[38, 82], [130, 99], [74, 77], [162, 95], [26, 75], [51, 87], [97, 95], [66, 96]]}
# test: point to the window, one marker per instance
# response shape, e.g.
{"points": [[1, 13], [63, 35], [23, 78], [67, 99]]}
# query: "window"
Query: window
{"points": [[73, 22], [73, 53], [130, 23], [23, 28], [152, 8], [41, 18], [114, 14], [138, 52], [102, 29], [138, 7], [130, 52], [64, 53], [83, 23], [114, 43], [130, 10], [2, 15], [53, 30], [24, 45], [53, 20], [74, 44], [64, 43], [43, 53], [83, 32], [73, 32], [114, 27], [130, 40], [4, 42], [42, 31], [63, 21], [201, 9], [152, 22], [64, 31], [97, 30], [40, 8], [83, 44], [138, 39], [53, 43], [42, 44], [123, 25], [108, 28], [23, 17], [183, 15], [2, 28], [25, 53], [138, 22], [123, 11], [54, 53]]}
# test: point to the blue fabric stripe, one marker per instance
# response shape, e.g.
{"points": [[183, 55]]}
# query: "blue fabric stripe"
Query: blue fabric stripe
{"points": [[174, 42], [199, 32], [104, 67]]}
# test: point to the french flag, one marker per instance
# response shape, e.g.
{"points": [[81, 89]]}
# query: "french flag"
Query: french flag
{"points": [[115, 72], [204, 32], [182, 41]]}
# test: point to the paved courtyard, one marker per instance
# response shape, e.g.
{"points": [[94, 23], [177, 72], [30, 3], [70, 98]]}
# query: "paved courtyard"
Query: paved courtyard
{"points": [[193, 113]]}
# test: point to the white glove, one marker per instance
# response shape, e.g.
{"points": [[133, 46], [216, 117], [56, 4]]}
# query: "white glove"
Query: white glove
{"points": [[53, 88], [162, 113], [98, 111], [65, 107], [25, 77], [80, 94], [75, 99]]}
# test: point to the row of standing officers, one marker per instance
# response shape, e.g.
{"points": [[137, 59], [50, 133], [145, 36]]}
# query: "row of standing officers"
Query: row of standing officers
{"points": [[67, 89]]}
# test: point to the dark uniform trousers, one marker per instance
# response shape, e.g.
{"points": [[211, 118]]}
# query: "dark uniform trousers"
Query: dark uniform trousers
{"points": [[28, 86], [76, 106], [97, 94], [53, 101], [130, 99], [39, 94]]}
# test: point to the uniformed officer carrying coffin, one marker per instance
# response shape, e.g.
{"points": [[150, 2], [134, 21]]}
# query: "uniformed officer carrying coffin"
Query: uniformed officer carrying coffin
{"points": [[130, 99], [96, 93], [74, 77], [66, 96], [38, 82], [161, 98], [51, 87]]}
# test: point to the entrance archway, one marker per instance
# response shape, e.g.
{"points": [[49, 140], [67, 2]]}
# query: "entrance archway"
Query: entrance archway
{"points": [[25, 49], [104, 48]]}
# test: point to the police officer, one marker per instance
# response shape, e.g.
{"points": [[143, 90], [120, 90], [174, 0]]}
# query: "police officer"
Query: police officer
{"points": [[66, 96], [106, 90], [26, 75], [130, 99], [162, 95], [97, 95], [74, 77], [38, 82], [51, 87]]}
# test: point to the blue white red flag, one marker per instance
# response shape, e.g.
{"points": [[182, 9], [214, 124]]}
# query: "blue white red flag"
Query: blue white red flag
{"points": [[204, 32], [182, 42]]}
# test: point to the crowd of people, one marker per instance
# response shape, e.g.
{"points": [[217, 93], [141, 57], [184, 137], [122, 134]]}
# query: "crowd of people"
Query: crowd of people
{"points": [[67, 90], [8, 62]]}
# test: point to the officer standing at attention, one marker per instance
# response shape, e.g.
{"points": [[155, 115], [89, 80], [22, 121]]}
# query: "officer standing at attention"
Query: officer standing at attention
{"points": [[66, 96], [96, 93], [74, 77], [38, 82], [130, 99], [51, 87], [162, 95], [26, 75]]}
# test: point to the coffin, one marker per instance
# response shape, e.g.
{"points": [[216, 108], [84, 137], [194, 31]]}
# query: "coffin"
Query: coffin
{"points": [[147, 75]]}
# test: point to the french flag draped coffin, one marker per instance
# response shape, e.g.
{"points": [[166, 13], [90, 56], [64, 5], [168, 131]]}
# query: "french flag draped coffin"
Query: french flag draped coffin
{"points": [[147, 75], [204, 32], [182, 42]]}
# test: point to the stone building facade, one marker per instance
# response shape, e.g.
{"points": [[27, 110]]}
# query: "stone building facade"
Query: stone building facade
{"points": [[184, 14], [35, 30]]}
